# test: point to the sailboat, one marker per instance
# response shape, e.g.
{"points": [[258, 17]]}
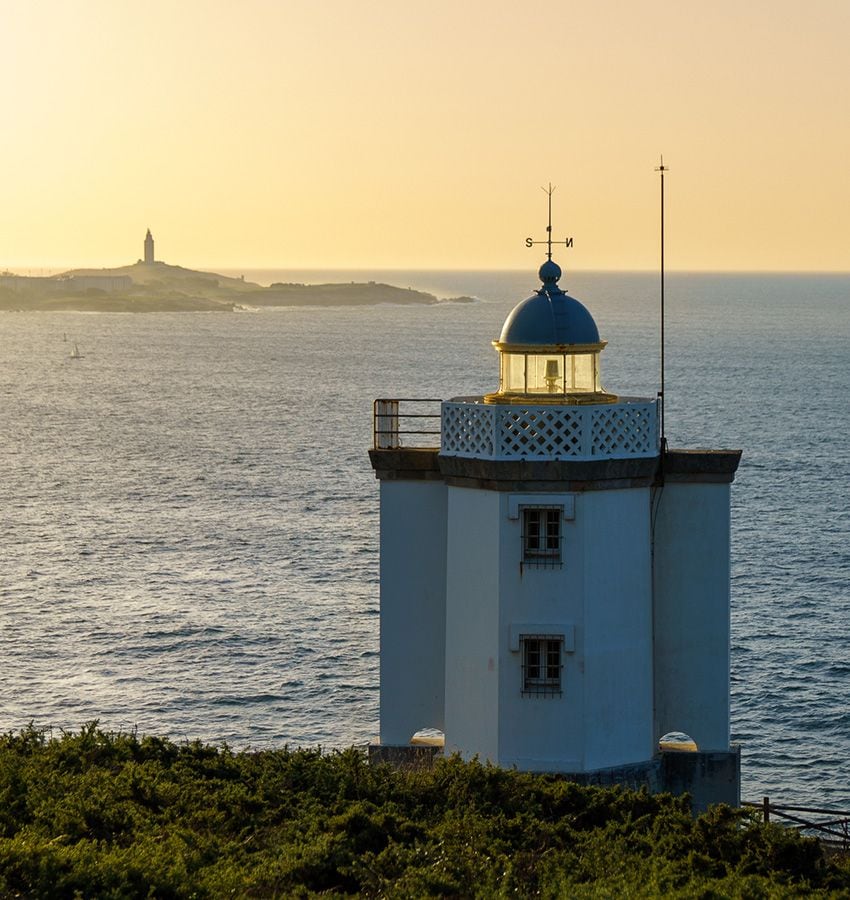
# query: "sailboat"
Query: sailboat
{"points": [[75, 353]]}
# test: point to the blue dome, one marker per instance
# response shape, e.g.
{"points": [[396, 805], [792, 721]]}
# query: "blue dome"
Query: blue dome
{"points": [[550, 316]]}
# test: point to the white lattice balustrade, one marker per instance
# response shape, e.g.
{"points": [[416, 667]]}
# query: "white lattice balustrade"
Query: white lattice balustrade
{"points": [[473, 429]]}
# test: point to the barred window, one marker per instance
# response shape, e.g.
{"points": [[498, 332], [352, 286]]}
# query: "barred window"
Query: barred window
{"points": [[541, 535], [541, 665]]}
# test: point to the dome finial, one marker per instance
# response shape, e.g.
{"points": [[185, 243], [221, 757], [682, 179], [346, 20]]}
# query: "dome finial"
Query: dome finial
{"points": [[549, 274]]}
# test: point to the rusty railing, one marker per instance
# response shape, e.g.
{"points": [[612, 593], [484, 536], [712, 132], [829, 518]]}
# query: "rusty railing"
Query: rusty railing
{"points": [[833, 831], [406, 422]]}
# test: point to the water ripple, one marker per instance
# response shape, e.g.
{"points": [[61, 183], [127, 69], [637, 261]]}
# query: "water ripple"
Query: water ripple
{"points": [[189, 519]]}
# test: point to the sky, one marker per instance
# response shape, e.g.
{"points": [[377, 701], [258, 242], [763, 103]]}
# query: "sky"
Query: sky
{"points": [[393, 134]]}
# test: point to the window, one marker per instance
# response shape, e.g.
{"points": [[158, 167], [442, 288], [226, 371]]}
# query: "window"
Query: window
{"points": [[541, 535], [541, 665]]}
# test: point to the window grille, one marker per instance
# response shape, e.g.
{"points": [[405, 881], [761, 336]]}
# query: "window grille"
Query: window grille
{"points": [[542, 536], [541, 665]]}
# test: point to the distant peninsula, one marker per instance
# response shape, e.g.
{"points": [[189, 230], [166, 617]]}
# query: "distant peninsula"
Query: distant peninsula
{"points": [[155, 286]]}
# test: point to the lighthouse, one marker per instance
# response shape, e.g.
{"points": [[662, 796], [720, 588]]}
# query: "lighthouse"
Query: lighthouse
{"points": [[149, 260], [555, 581]]}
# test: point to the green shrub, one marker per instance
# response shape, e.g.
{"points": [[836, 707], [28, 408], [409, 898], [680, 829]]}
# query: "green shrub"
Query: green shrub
{"points": [[93, 814]]}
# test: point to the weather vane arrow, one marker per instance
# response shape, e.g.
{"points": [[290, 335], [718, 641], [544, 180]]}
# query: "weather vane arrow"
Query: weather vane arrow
{"points": [[567, 242]]}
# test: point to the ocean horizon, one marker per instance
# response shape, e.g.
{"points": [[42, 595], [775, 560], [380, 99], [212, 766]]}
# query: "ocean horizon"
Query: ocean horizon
{"points": [[265, 275]]}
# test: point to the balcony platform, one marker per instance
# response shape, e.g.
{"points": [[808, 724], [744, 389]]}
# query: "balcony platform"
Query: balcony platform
{"points": [[508, 447]]}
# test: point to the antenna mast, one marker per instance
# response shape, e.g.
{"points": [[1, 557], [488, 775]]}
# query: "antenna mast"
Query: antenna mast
{"points": [[662, 169]]}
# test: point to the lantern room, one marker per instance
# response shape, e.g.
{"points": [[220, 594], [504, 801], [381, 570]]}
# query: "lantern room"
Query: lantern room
{"points": [[549, 349]]}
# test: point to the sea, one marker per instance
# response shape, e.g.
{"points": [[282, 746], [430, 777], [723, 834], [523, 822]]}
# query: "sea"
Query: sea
{"points": [[189, 519]]}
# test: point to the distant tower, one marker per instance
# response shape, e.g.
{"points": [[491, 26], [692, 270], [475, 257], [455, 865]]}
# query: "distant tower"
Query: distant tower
{"points": [[149, 247], [554, 581]]}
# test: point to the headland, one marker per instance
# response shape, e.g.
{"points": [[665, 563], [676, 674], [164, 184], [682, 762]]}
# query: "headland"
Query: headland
{"points": [[156, 286]]}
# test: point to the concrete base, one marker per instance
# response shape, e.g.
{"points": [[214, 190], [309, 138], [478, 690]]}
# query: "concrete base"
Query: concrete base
{"points": [[709, 778], [634, 777], [404, 756]]}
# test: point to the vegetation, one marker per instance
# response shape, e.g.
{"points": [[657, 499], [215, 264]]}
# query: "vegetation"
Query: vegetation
{"points": [[160, 287], [113, 815]]}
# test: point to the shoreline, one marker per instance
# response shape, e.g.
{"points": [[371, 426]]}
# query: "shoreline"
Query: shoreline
{"points": [[159, 287]]}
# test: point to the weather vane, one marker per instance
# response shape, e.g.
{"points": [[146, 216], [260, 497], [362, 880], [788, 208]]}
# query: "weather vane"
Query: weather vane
{"points": [[567, 242]]}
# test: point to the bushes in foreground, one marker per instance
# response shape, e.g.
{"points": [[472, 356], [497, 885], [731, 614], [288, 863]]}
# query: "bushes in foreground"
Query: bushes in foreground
{"points": [[114, 815]]}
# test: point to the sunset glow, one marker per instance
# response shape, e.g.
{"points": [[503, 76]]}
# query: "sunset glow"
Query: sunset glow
{"points": [[377, 134]]}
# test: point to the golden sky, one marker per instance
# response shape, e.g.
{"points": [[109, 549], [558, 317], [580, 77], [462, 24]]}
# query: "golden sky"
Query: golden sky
{"points": [[392, 133]]}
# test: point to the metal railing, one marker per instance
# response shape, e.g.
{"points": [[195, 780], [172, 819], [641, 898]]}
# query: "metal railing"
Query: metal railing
{"points": [[394, 426], [468, 427], [833, 831]]}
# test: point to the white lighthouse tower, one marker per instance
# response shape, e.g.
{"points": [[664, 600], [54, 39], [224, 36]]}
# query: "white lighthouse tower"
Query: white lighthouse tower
{"points": [[555, 582]]}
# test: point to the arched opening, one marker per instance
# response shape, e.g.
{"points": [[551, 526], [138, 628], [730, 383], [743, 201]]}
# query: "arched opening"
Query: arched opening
{"points": [[428, 737], [677, 741]]}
